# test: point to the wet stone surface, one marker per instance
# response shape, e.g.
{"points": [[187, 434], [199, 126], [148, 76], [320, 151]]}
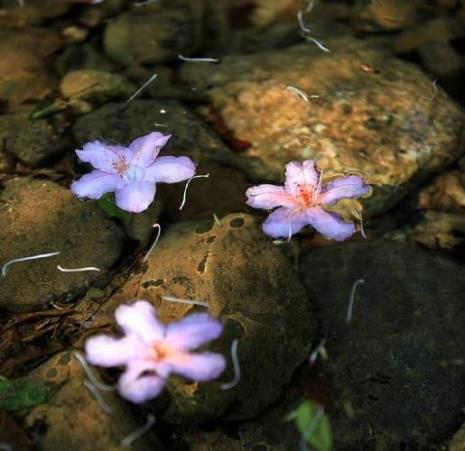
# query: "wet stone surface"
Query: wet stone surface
{"points": [[404, 345], [38, 217], [73, 419], [33, 142], [253, 288], [365, 114]]}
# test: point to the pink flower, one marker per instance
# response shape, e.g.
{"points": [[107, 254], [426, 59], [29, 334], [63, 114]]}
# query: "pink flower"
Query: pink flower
{"points": [[151, 351], [130, 172], [300, 202]]}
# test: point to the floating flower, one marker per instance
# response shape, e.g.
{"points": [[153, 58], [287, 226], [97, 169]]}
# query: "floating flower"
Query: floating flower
{"points": [[300, 202], [130, 172], [151, 351]]}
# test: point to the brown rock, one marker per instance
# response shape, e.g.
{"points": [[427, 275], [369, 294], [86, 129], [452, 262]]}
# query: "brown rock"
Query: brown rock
{"points": [[75, 420], [23, 75], [372, 114], [243, 278], [39, 217]]}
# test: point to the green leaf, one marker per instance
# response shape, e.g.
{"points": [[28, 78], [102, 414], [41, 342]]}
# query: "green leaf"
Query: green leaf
{"points": [[313, 425], [19, 393], [107, 204]]}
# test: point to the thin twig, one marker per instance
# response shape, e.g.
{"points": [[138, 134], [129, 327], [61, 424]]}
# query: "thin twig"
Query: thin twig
{"points": [[93, 379], [98, 396], [133, 436], [187, 185], [86, 268], [185, 301], [152, 247], [351, 299], [237, 368], [142, 87], [25, 259], [198, 60]]}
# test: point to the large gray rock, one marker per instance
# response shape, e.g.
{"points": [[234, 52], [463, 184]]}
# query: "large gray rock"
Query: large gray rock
{"points": [[399, 362], [37, 217]]}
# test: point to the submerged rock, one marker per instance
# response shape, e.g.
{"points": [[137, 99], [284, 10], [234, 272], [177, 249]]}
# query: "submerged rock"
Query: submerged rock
{"points": [[252, 287], [443, 202], [38, 217], [398, 364], [73, 419], [23, 75], [33, 142], [95, 86], [155, 33], [366, 113]]}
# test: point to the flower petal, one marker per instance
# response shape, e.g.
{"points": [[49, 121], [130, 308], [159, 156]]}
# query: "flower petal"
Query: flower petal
{"points": [[301, 173], [95, 184], [135, 196], [349, 187], [146, 148], [107, 351], [140, 320], [329, 224], [283, 223], [268, 197], [138, 387], [101, 156], [193, 331], [170, 170], [198, 367]]}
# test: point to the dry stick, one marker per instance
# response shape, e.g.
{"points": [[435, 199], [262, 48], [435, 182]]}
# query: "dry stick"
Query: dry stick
{"points": [[142, 87], [133, 436], [98, 396], [93, 379], [86, 268], [25, 259], [34, 315], [187, 185], [198, 60], [185, 301], [237, 368], [152, 247], [351, 299]]}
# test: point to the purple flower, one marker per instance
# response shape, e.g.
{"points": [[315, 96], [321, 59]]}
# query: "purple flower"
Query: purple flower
{"points": [[151, 351], [300, 202], [130, 172]]}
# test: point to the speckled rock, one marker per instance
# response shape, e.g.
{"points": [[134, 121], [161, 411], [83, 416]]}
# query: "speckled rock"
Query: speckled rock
{"points": [[73, 419], [442, 203], [399, 362], [33, 142], [37, 217], [155, 33], [371, 114], [237, 271], [95, 86], [123, 122]]}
